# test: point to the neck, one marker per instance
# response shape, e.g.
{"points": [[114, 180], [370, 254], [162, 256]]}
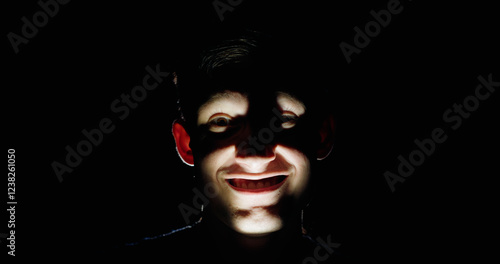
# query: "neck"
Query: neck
{"points": [[253, 243], [236, 245]]}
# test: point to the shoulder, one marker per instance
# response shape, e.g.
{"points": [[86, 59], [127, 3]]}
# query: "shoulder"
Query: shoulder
{"points": [[178, 243]]}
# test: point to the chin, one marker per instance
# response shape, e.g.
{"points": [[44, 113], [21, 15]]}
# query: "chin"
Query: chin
{"points": [[257, 225]]}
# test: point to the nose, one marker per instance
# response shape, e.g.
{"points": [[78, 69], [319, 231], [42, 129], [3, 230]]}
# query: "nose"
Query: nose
{"points": [[254, 157]]}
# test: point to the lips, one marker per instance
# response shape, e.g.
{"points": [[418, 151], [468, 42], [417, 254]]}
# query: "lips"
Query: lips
{"points": [[259, 185]]}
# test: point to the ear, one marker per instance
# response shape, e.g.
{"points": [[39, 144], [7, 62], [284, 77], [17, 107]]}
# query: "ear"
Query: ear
{"points": [[326, 138], [182, 140]]}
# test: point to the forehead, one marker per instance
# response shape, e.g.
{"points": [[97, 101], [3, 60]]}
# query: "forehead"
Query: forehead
{"points": [[222, 97]]}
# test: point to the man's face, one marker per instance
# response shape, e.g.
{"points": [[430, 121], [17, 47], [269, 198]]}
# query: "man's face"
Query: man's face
{"points": [[248, 150]]}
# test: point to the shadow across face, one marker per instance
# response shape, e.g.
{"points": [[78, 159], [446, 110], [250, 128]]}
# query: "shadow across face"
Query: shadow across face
{"points": [[257, 149], [264, 120]]}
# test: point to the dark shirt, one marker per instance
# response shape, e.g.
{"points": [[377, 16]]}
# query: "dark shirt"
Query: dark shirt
{"points": [[210, 241]]}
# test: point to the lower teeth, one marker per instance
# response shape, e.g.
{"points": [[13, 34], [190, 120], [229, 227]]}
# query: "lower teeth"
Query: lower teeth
{"points": [[256, 184]]}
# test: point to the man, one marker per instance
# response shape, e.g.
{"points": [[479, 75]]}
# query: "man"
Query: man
{"points": [[253, 124]]}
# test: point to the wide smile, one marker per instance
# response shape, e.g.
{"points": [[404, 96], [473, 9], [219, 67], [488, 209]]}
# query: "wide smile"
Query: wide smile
{"points": [[257, 185]]}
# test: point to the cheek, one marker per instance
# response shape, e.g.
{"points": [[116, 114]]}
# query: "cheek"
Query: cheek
{"points": [[302, 169], [214, 160]]}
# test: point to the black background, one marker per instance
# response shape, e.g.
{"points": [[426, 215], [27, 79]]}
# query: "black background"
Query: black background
{"points": [[395, 91]]}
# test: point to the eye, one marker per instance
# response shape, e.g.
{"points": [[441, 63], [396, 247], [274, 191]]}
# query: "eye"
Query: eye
{"points": [[219, 123], [289, 120]]}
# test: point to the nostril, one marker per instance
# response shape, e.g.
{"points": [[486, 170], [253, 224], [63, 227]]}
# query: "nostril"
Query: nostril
{"points": [[255, 162]]}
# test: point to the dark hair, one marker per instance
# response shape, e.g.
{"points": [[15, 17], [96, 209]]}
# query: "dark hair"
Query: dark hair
{"points": [[248, 62]]}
